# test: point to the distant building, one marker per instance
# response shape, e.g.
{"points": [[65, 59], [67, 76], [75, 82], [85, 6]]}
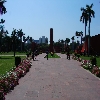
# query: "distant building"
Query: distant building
{"points": [[40, 40], [36, 41], [43, 39]]}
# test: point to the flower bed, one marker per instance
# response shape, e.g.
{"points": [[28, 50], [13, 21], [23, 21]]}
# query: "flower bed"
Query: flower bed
{"points": [[10, 80], [87, 64]]}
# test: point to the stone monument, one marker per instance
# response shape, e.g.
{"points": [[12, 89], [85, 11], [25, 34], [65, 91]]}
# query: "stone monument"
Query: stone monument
{"points": [[51, 39]]}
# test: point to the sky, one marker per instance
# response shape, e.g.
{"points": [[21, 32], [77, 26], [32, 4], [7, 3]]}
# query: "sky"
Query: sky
{"points": [[36, 17]]}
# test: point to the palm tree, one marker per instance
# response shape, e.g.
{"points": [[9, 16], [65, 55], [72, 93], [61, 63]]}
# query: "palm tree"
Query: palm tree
{"points": [[2, 7], [2, 21], [73, 38], [67, 41], [84, 18], [91, 14]]}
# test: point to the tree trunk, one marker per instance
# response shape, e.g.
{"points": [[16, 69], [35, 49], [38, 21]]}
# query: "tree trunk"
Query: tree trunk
{"points": [[85, 38], [21, 43], [89, 40], [14, 47]]}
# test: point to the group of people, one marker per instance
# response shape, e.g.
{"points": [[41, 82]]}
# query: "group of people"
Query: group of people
{"points": [[34, 54]]}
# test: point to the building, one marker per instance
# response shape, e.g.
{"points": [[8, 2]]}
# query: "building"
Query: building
{"points": [[43, 40], [94, 45], [36, 41], [40, 40]]}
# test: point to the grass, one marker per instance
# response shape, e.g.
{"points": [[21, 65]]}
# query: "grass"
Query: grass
{"points": [[88, 58], [12, 53], [54, 56], [7, 63]]}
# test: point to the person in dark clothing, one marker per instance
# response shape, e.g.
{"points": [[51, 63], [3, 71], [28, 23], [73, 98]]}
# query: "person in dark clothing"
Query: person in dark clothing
{"points": [[68, 54], [47, 54]]}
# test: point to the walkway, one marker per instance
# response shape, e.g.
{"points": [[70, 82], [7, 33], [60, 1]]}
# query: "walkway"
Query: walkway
{"points": [[56, 79]]}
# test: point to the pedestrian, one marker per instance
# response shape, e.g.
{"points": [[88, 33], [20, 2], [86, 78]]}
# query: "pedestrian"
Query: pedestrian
{"points": [[47, 54], [68, 54]]}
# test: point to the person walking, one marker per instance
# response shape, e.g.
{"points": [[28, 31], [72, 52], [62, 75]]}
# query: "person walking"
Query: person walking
{"points": [[68, 54], [47, 54]]}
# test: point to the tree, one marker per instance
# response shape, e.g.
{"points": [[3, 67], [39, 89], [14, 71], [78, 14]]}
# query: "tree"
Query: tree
{"points": [[59, 40], [67, 40], [14, 36], [73, 38], [24, 39], [2, 11], [91, 14], [84, 18], [62, 42], [2, 7], [20, 34], [6, 43]]}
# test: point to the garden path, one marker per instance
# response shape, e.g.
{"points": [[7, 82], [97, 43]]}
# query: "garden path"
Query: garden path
{"points": [[56, 79]]}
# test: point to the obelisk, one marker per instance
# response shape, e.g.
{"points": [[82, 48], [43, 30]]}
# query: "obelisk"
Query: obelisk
{"points": [[51, 39]]}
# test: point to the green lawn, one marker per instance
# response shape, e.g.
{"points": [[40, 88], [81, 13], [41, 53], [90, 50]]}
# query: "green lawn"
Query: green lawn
{"points": [[12, 53], [6, 63], [88, 58], [54, 56]]}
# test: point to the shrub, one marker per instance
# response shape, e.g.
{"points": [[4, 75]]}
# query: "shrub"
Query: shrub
{"points": [[96, 71], [71, 52], [52, 53], [93, 60], [75, 54], [17, 61], [78, 55], [62, 52]]}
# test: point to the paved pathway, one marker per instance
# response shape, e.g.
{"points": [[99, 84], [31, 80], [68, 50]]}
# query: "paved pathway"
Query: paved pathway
{"points": [[56, 79]]}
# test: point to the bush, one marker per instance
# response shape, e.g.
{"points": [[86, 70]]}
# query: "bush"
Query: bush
{"points": [[52, 53], [93, 60], [75, 54], [27, 54], [71, 52], [62, 52], [78, 55], [17, 61]]}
